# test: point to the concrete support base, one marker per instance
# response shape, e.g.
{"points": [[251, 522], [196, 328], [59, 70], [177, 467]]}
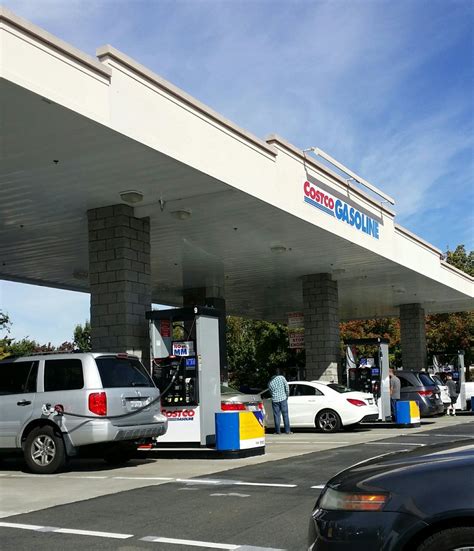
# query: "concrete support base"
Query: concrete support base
{"points": [[119, 275], [413, 337], [321, 327]]}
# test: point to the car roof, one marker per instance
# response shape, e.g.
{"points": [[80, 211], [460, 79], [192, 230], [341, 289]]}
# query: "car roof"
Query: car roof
{"points": [[62, 356]]}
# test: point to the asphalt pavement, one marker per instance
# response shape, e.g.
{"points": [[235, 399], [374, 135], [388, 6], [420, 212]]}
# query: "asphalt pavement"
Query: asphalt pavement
{"points": [[174, 505]]}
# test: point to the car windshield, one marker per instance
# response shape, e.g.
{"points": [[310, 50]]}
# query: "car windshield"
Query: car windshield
{"points": [[437, 380], [426, 380], [339, 388]]}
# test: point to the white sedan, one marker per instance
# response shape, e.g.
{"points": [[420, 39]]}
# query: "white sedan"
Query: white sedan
{"points": [[326, 406]]}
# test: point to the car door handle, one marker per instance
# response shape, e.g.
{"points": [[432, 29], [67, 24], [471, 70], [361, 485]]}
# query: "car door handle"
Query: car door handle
{"points": [[23, 403]]}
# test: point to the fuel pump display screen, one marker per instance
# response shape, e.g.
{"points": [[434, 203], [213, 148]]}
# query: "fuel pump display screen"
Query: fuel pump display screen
{"points": [[176, 377]]}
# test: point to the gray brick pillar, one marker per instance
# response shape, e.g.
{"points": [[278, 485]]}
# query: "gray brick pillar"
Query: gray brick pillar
{"points": [[321, 327], [119, 275], [413, 337]]}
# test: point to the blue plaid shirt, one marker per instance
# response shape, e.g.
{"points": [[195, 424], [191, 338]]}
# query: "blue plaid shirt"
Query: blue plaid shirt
{"points": [[278, 388]]}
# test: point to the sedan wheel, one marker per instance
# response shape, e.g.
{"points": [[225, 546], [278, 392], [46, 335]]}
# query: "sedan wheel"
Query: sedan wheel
{"points": [[328, 421]]}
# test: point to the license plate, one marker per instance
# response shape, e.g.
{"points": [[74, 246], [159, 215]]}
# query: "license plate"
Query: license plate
{"points": [[135, 404], [252, 408]]}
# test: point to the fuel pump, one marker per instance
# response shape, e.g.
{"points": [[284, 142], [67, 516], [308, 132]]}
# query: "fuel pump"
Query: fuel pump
{"points": [[370, 374], [185, 365], [453, 363]]}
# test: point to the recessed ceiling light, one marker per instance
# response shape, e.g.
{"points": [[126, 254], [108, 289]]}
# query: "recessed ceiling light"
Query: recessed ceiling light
{"points": [[131, 196], [181, 214]]}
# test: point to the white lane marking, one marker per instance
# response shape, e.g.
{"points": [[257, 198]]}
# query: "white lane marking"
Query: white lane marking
{"points": [[198, 481], [194, 543], [189, 481], [88, 477], [20, 526], [392, 444], [455, 435], [327, 442], [264, 484], [64, 530], [92, 533], [319, 486], [230, 494], [163, 478]]}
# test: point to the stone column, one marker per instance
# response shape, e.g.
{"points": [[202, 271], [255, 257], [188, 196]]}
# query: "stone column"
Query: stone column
{"points": [[321, 327], [413, 337], [119, 275]]}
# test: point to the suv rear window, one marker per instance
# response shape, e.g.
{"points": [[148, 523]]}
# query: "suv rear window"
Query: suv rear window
{"points": [[63, 375], [122, 372], [18, 377]]}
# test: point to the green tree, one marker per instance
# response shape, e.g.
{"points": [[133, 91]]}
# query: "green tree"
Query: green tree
{"points": [[255, 349], [5, 324], [461, 260], [453, 332], [82, 337]]}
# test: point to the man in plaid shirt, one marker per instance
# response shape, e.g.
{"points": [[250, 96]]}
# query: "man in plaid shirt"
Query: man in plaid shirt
{"points": [[280, 391]]}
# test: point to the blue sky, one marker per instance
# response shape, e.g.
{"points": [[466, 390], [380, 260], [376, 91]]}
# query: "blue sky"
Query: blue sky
{"points": [[385, 87]]}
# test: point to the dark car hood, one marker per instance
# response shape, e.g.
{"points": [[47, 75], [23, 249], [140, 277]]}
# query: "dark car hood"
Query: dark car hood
{"points": [[392, 472]]}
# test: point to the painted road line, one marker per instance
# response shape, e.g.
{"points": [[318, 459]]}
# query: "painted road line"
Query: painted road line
{"points": [[195, 543], [392, 444], [20, 526], [455, 435], [88, 477], [319, 486], [208, 544], [327, 442], [36, 528], [92, 533], [161, 478], [198, 481], [265, 484]]}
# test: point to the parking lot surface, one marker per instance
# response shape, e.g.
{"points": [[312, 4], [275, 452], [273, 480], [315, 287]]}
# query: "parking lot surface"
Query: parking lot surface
{"points": [[255, 504]]}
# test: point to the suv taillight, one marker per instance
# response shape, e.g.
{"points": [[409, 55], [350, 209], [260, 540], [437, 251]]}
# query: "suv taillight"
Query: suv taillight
{"points": [[424, 392], [98, 403]]}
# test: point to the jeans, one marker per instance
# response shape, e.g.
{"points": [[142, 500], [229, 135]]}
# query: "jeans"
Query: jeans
{"points": [[393, 407], [281, 408]]}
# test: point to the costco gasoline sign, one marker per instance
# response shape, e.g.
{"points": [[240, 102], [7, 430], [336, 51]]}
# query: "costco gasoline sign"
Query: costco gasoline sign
{"points": [[338, 208]]}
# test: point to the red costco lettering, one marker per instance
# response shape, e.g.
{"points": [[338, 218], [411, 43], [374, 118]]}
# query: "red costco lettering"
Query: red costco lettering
{"points": [[178, 413], [318, 195]]}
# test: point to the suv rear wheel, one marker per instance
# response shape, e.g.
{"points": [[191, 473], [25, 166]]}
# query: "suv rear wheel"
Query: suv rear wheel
{"points": [[44, 450]]}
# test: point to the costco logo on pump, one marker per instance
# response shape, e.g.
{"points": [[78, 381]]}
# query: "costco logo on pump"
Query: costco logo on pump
{"points": [[340, 210]]}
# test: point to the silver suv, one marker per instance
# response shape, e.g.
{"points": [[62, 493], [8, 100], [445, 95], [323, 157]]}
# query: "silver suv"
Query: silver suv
{"points": [[53, 406]]}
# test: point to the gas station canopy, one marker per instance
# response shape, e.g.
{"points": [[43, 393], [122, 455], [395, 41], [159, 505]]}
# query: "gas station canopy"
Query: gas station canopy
{"points": [[228, 211]]}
